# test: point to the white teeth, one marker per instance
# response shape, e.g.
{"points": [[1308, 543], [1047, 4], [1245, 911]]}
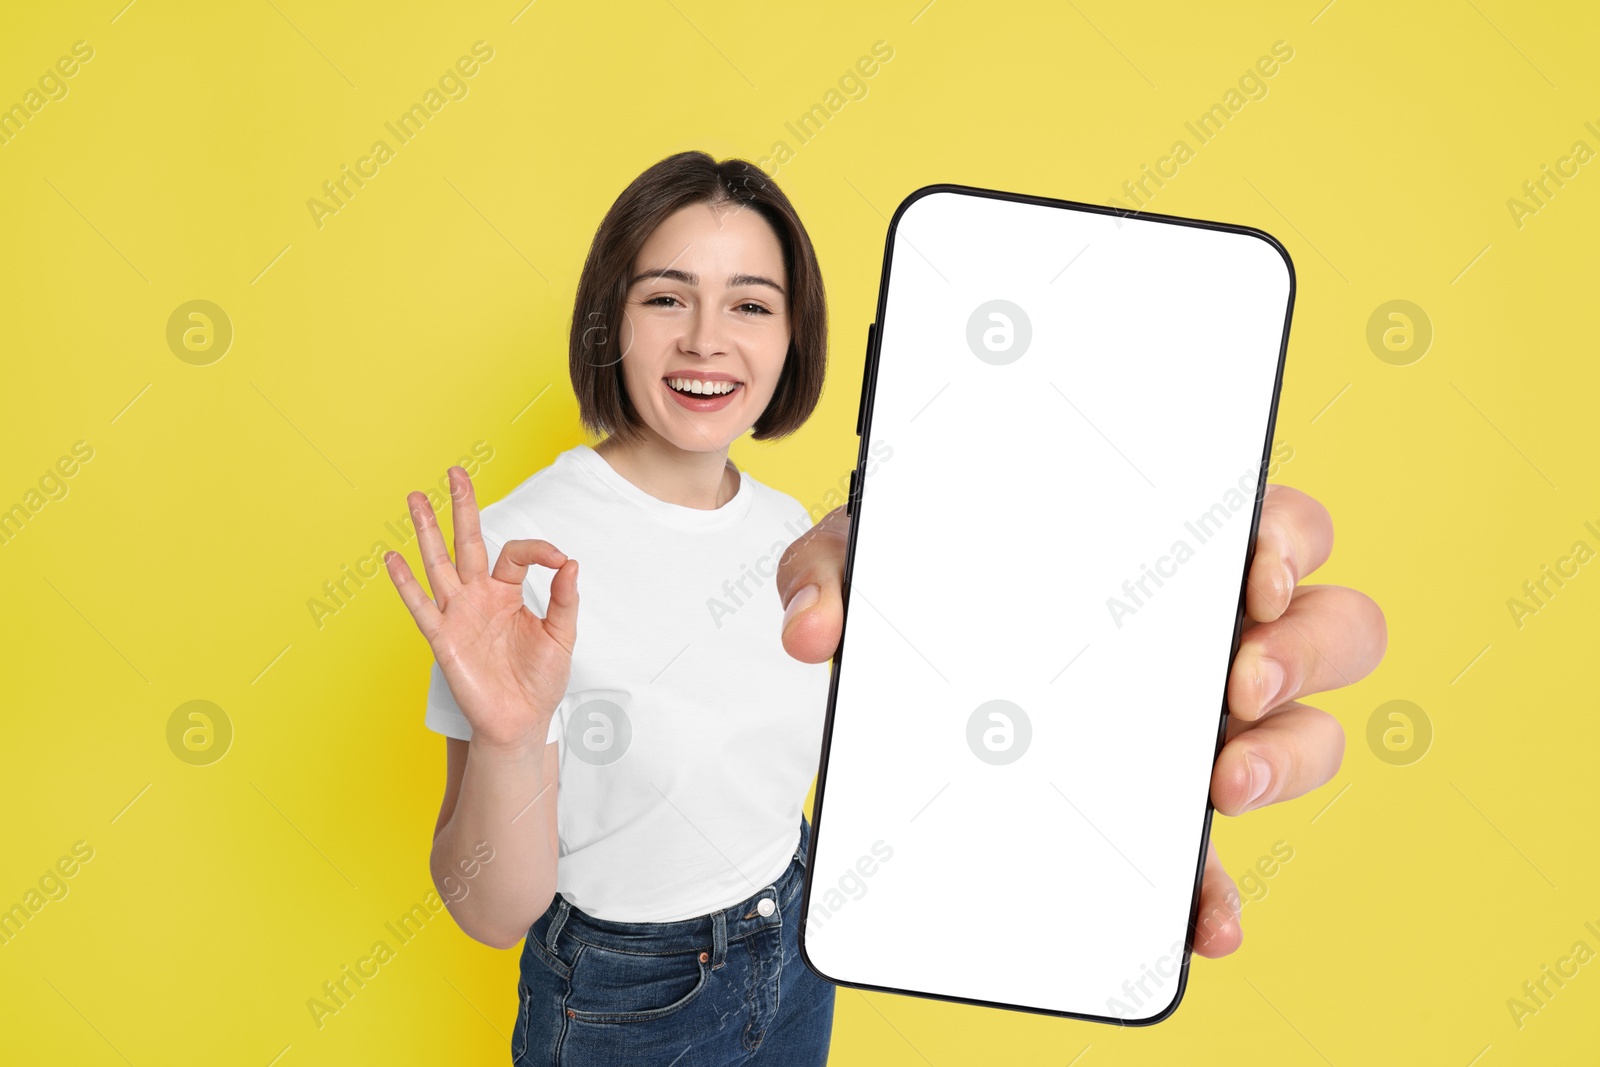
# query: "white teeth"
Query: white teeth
{"points": [[695, 385]]}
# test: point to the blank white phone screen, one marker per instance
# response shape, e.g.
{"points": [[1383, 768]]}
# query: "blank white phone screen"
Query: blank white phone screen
{"points": [[1069, 421]]}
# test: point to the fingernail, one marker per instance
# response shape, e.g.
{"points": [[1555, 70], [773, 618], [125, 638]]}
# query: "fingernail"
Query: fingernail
{"points": [[1271, 682], [807, 596], [1288, 582], [1260, 777]]}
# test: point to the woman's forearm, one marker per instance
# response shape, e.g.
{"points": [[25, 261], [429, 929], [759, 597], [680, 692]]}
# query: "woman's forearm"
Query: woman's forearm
{"points": [[507, 802]]}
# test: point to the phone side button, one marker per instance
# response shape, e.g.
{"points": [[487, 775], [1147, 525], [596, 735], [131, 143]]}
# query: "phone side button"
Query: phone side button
{"points": [[850, 501], [866, 373]]}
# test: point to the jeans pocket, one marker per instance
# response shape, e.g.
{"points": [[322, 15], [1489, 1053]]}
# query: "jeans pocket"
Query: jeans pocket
{"points": [[610, 986], [533, 947]]}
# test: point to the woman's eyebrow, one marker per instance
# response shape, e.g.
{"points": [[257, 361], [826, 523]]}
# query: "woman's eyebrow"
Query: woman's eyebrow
{"points": [[688, 278]]}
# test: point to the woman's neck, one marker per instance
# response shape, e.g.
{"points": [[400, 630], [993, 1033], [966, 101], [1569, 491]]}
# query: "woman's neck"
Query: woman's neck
{"points": [[702, 480]]}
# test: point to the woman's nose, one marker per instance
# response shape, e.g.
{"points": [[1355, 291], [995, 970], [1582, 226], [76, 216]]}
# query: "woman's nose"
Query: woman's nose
{"points": [[704, 335]]}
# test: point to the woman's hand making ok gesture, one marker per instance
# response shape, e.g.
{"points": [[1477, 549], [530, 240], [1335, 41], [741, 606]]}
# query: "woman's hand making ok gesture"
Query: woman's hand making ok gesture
{"points": [[507, 668]]}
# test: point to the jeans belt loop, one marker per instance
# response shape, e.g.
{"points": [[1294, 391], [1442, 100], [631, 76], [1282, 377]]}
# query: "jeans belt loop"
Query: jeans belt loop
{"points": [[719, 937], [560, 920]]}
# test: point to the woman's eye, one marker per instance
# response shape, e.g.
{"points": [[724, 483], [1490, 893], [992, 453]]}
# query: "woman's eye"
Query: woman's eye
{"points": [[749, 307]]}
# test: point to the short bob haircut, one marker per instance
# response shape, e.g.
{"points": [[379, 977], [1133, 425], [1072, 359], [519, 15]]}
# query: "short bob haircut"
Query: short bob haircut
{"points": [[678, 181]]}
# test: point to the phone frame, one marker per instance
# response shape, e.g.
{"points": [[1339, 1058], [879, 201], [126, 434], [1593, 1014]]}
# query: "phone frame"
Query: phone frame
{"points": [[853, 504]]}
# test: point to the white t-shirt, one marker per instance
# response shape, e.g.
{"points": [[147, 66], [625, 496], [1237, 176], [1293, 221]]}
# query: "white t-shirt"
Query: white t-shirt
{"points": [[688, 735]]}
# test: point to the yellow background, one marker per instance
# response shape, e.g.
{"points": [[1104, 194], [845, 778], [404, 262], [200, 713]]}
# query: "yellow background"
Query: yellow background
{"points": [[371, 353]]}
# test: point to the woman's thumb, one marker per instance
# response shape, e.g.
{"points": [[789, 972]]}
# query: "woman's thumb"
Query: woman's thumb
{"points": [[809, 579]]}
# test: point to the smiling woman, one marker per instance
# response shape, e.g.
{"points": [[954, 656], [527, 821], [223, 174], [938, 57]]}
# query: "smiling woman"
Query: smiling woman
{"points": [[658, 901]]}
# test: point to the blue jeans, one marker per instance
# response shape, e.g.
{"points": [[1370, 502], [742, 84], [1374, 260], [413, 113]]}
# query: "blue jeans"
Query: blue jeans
{"points": [[713, 991]]}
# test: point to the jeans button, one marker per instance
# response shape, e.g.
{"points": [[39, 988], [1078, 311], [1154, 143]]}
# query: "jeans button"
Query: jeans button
{"points": [[765, 906]]}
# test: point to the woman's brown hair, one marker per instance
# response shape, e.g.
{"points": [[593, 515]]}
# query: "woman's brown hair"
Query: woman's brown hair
{"points": [[594, 356]]}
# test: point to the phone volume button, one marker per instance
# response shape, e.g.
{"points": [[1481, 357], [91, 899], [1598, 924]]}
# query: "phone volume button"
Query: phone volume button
{"points": [[850, 500], [866, 377]]}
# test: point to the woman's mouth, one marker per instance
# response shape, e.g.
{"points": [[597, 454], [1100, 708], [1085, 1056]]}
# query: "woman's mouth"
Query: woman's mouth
{"points": [[694, 394]]}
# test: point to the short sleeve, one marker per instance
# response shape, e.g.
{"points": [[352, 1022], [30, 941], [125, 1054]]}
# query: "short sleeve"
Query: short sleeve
{"points": [[443, 714]]}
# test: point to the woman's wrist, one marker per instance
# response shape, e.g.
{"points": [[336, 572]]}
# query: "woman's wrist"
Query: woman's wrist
{"points": [[520, 749]]}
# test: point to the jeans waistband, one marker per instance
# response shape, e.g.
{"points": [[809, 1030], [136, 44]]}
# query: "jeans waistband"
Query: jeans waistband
{"points": [[711, 933]]}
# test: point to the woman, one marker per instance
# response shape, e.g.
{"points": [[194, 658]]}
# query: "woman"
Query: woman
{"points": [[660, 909]]}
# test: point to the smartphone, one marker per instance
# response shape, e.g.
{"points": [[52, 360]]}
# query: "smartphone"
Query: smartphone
{"points": [[1066, 420]]}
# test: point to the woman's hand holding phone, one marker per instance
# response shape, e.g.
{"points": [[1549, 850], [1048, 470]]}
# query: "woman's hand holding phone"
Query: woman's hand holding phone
{"points": [[1298, 639], [507, 668]]}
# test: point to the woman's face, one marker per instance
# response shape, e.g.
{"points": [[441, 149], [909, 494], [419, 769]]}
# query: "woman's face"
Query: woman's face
{"points": [[708, 303]]}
